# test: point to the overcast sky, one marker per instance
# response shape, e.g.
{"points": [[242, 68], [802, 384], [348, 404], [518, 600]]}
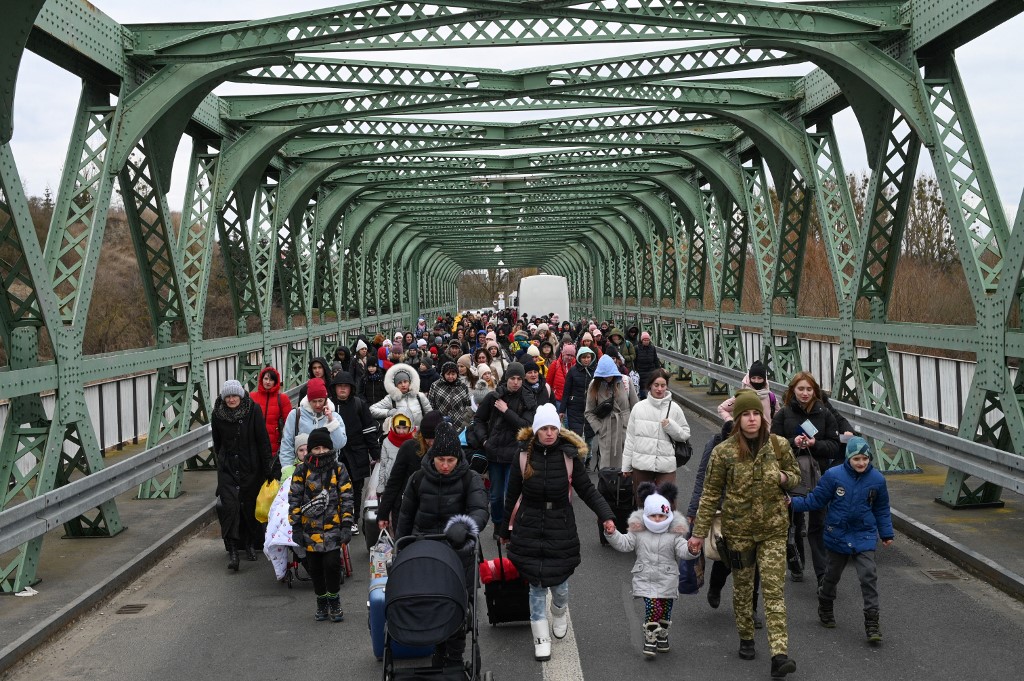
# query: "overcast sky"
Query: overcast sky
{"points": [[992, 68]]}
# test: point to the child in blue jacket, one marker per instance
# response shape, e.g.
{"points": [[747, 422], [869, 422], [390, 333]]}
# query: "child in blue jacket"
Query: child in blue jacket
{"points": [[858, 515]]}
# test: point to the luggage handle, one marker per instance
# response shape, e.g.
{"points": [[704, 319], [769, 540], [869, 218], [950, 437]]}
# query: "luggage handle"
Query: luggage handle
{"points": [[501, 561]]}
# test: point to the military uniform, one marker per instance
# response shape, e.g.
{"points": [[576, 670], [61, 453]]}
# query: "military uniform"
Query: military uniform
{"points": [[755, 522]]}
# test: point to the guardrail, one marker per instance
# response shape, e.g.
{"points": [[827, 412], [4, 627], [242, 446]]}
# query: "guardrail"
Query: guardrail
{"points": [[996, 466], [37, 516]]}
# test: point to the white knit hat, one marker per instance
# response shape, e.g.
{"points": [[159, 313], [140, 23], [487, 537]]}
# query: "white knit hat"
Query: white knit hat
{"points": [[232, 387], [300, 440], [546, 415], [655, 503]]}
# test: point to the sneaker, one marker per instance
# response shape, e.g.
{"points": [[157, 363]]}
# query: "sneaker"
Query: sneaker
{"points": [[355, 530]]}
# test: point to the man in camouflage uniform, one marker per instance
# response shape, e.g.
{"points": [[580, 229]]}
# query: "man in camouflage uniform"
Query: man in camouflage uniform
{"points": [[755, 523]]}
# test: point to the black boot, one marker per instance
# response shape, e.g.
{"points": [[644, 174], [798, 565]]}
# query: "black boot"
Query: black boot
{"points": [[232, 558], [782, 665], [747, 649], [334, 605], [321, 609], [714, 597], [825, 613], [250, 554], [874, 634]]}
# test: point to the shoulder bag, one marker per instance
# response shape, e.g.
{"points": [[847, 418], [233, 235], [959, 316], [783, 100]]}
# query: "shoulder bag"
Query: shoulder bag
{"points": [[683, 449]]}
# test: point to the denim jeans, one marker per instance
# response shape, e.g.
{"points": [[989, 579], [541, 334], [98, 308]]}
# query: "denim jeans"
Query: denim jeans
{"points": [[538, 600], [498, 474]]}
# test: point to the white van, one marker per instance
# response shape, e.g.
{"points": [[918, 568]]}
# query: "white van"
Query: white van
{"points": [[543, 294]]}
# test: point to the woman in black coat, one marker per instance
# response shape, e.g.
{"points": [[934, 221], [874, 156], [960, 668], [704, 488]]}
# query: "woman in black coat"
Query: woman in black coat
{"points": [[574, 395], [242, 447], [803, 402], [544, 544], [408, 460], [646, 361]]}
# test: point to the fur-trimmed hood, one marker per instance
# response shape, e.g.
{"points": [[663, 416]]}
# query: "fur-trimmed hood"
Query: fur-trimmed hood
{"points": [[389, 380], [526, 435], [679, 523]]}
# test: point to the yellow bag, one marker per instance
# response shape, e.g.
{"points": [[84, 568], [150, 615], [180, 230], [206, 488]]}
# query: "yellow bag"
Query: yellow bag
{"points": [[265, 498]]}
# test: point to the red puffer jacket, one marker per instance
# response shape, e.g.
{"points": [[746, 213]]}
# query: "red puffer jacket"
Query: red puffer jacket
{"points": [[556, 376], [274, 404]]}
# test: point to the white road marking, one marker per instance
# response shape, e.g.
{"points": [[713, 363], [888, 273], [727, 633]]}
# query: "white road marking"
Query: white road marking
{"points": [[564, 664]]}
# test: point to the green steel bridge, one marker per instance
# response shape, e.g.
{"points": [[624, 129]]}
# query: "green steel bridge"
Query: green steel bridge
{"points": [[644, 179]]}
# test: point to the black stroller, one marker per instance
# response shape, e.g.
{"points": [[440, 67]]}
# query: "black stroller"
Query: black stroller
{"points": [[426, 602]]}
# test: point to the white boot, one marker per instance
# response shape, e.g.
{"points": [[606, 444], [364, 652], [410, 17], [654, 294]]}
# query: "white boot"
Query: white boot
{"points": [[559, 621], [541, 640]]}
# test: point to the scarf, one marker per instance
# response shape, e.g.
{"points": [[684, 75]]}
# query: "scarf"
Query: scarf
{"points": [[239, 413], [397, 439]]}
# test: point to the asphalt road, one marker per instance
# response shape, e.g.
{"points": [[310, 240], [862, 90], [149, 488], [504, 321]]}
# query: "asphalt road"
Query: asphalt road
{"points": [[203, 622]]}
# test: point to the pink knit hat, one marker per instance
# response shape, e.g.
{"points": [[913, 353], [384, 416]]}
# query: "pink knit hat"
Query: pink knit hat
{"points": [[645, 336]]}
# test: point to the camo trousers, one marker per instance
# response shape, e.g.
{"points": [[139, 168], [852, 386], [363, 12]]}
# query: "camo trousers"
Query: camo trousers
{"points": [[771, 559]]}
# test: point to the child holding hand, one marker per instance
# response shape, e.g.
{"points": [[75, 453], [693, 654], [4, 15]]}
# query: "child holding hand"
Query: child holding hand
{"points": [[658, 535]]}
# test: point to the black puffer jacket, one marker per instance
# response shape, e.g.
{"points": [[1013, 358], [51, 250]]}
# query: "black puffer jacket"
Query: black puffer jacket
{"points": [[498, 430], [646, 362], [431, 499], [241, 444], [361, 429], [545, 546], [540, 391], [827, 450], [574, 399], [407, 462]]}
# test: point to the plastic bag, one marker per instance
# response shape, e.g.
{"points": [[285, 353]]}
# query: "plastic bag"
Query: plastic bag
{"points": [[265, 498], [380, 555]]}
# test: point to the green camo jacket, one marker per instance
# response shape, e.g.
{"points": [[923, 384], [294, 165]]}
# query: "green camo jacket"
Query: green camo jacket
{"points": [[754, 506]]}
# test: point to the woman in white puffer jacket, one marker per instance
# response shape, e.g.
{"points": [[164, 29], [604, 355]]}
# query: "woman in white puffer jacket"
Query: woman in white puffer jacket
{"points": [[655, 423]]}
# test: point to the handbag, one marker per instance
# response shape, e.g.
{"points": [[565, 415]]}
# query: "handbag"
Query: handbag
{"points": [[714, 545], [681, 448], [264, 500], [604, 407], [380, 555]]}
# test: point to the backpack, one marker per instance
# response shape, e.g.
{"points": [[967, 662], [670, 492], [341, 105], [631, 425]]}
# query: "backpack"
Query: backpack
{"points": [[523, 457]]}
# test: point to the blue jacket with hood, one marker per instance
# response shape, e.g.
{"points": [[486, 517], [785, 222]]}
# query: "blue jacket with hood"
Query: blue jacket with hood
{"points": [[858, 508]]}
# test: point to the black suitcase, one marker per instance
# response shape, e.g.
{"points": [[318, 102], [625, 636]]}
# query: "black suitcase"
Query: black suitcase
{"points": [[508, 600], [618, 492]]}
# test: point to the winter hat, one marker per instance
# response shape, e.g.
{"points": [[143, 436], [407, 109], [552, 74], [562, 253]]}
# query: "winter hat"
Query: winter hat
{"points": [[746, 400], [403, 373], [386, 343], [454, 343], [301, 440], [542, 327], [427, 361], [857, 445], [320, 437], [583, 351], [430, 422], [568, 351], [515, 369], [655, 503], [232, 387], [422, 342], [757, 370], [466, 360], [342, 378], [449, 366], [316, 390], [645, 336], [400, 419], [588, 336], [606, 367], [396, 348], [546, 415], [398, 335], [533, 351], [529, 365], [446, 442], [491, 336], [360, 345]]}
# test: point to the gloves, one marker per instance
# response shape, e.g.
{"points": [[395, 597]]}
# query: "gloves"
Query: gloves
{"points": [[457, 535], [346, 533], [297, 535]]}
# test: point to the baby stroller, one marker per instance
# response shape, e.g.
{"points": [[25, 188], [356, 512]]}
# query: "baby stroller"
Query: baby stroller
{"points": [[426, 602]]}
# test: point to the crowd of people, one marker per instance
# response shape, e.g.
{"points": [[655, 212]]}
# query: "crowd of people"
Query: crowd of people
{"points": [[541, 403]]}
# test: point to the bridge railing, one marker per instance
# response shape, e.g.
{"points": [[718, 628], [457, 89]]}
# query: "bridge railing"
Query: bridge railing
{"points": [[996, 466]]}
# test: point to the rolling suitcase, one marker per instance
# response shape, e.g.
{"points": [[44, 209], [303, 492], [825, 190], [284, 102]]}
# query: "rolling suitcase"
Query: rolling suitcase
{"points": [[375, 620], [618, 492], [506, 593]]}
